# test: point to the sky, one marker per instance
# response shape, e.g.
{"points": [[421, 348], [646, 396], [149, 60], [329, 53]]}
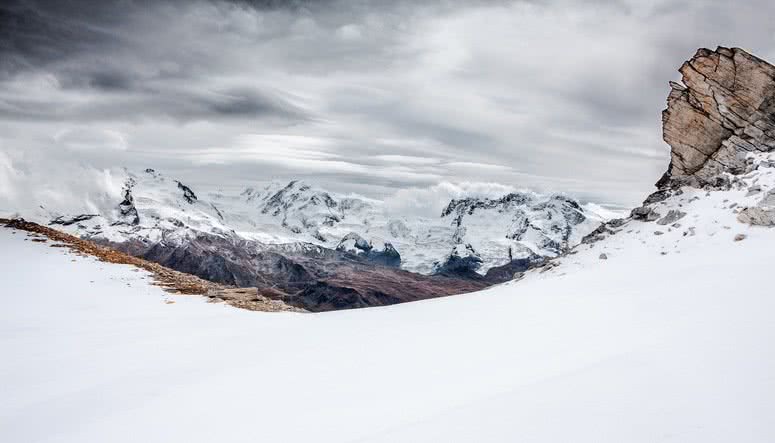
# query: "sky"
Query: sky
{"points": [[372, 97]]}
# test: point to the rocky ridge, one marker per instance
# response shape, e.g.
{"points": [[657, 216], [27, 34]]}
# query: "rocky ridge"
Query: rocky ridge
{"points": [[171, 280], [720, 125]]}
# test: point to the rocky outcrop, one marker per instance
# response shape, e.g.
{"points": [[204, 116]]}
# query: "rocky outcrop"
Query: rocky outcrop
{"points": [[644, 213], [715, 122], [463, 262], [188, 194], [724, 109], [513, 269], [720, 125], [382, 254], [763, 214], [127, 212], [671, 217], [757, 216], [67, 221]]}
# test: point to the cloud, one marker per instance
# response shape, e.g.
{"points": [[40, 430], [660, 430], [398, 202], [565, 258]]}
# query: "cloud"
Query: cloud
{"points": [[349, 32], [30, 186], [557, 95], [84, 139], [430, 201], [8, 182]]}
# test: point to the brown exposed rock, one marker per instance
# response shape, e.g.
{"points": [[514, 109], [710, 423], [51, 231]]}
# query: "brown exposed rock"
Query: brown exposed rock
{"points": [[315, 279], [724, 109]]}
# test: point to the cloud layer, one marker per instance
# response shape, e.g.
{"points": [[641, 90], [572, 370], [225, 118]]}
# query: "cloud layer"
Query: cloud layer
{"points": [[367, 96]]}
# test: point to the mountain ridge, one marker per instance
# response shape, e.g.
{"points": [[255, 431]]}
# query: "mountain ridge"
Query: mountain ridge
{"points": [[301, 244]]}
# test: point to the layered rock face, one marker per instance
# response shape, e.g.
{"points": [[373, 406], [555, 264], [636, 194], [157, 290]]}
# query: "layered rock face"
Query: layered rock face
{"points": [[724, 110], [721, 126]]}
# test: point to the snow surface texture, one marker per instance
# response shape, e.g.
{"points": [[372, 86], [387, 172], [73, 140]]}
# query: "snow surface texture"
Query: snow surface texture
{"points": [[297, 212], [668, 339]]}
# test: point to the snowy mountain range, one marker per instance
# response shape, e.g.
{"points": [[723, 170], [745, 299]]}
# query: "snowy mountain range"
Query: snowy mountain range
{"points": [[488, 232], [322, 250]]}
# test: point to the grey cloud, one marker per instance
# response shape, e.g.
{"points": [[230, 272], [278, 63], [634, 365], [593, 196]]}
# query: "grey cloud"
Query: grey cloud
{"points": [[128, 103], [561, 95], [111, 81], [34, 33]]}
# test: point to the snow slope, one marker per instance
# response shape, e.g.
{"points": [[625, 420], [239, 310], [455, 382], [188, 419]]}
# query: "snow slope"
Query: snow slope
{"points": [[668, 339]]}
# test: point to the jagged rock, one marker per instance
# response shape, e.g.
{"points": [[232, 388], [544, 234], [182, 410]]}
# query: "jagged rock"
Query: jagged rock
{"points": [[217, 211], [356, 245], [656, 197], [513, 270], [386, 256], [769, 200], [353, 243], [724, 109], [740, 237], [188, 194], [671, 217], [617, 222], [644, 213], [463, 261], [318, 236], [755, 189], [598, 234], [757, 216], [603, 257], [67, 221], [127, 211]]}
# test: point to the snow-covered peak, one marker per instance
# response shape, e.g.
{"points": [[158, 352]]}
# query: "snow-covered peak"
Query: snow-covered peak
{"points": [[154, 207], [488, 232]]}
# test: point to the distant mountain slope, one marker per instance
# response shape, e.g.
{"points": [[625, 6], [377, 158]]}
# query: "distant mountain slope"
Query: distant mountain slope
{"points": [[321, 251], [155, 208]]}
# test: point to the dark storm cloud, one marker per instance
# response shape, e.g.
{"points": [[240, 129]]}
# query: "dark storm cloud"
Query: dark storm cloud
{"points": [[34, 33], [364, 95], [111, 81], [85, 45], [145, 103]]}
